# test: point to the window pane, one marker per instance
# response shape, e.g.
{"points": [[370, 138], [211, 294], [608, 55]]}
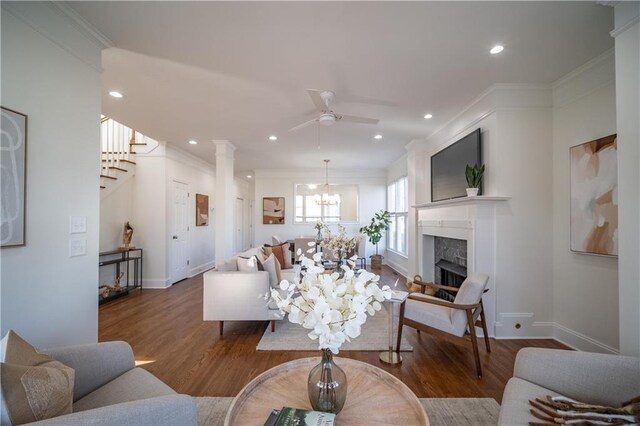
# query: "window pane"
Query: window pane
{"points": [[391, 198], [312, 207], [402, 234], [391, 234], [402, 197]]}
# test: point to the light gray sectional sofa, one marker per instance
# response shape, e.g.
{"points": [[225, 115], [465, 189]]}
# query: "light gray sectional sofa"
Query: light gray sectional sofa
{"points": [[583, 376], [110, 390]]}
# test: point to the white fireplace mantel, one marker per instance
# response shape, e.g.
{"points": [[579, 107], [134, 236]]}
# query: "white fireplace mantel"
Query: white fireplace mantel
{"points": [[461, 200], [472, 219]]}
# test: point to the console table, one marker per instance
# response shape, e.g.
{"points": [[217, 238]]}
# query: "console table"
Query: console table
{"points": [[372, 394], [128, 261]]}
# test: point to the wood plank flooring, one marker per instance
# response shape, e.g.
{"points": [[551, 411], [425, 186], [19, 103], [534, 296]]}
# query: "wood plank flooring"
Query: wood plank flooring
{"points": [[169, 339]]}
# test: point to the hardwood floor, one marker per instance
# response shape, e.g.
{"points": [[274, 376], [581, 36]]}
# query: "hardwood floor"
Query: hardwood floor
{"points": [[169, 339]]}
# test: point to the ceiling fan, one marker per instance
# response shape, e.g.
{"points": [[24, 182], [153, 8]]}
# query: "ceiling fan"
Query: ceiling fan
{"points": [[321, 99]]}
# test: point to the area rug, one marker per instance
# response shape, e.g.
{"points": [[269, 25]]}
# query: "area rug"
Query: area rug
{"points": [[292, 337], [441, 411]]}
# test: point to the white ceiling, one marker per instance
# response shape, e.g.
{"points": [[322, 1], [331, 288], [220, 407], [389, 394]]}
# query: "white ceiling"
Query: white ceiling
{"points": [[240, 70]]}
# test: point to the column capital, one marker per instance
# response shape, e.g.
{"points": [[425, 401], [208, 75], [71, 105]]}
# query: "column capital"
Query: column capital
{"points": [[219, 143]]}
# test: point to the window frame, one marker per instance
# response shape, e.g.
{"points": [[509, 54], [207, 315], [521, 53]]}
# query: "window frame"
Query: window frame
{"points": [[395, 214]]}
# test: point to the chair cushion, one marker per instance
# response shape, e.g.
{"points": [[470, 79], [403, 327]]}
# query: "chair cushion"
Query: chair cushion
{"points": [[133, 385], [515, 408], [34, 385], [470, 293], [428, 314]]}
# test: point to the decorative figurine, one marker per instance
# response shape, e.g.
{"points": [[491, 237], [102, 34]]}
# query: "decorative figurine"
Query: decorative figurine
{"points": [[126, 236]]}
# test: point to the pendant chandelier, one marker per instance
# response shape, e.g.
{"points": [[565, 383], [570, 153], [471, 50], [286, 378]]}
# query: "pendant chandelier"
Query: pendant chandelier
{"points": [[326, 198]]}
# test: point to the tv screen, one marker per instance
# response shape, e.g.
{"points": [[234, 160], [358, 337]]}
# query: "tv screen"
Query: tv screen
{"points": [[447, 167]]}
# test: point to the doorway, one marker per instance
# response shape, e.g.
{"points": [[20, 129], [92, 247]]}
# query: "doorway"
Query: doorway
{"points": [[180, 232]]}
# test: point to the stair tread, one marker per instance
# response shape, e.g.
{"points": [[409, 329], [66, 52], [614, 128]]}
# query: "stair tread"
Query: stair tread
{"points": [[121, 160], [118, 152], [118, 168], [137, 143], [108, 177], [102, 187]]}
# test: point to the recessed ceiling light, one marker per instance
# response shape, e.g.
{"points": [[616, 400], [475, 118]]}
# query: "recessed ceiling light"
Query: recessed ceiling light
{"points": [[249, 176], [115, 94], [428, 116], [273, 138], [192, 142], [496, 49], [377, 137]]}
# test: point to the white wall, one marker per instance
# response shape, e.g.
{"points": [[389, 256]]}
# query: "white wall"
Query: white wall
{"points": [[200, 178], [146, 201], [244, 190], [51, 72], [584, 110], [627, 35], [397, 261], [280, 183], [517, 150]]}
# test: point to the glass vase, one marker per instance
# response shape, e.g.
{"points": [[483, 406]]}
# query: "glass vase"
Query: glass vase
{"points": [[327, 385]]}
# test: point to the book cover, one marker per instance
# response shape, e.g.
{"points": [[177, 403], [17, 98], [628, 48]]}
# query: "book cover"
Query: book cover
{"points": [[296, 417]]}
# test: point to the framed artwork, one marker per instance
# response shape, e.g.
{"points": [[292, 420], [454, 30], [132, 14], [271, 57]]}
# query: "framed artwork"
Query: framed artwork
{"points": [[273, 210], [13, 180], [594, 197], [202, 210]]}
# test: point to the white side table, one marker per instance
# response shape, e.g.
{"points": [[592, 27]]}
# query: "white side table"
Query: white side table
{"points": [[390, 356]]}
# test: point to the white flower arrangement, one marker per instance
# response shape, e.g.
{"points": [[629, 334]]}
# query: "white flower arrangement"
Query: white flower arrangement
{"points": [[339, 244], [334, 308]]}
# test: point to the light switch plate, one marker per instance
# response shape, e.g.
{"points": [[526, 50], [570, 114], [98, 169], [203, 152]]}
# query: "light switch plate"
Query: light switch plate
{"points": [[77, 247], [77, 224]]}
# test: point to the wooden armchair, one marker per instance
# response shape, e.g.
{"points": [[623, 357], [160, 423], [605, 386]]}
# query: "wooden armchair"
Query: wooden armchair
{"points": [[427, 313]]}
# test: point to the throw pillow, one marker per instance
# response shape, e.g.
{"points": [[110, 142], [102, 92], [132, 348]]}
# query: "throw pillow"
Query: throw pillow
{"points": [[282, 252], [247, 264], [34, 386], [272, 266]]}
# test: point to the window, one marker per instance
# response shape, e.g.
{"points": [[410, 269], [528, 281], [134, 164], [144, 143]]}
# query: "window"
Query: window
{"points": [[309, 211], [398, 207]]}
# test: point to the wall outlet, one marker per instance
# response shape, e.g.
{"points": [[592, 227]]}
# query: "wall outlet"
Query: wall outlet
{"points": [[77, 247], [77, 224]]}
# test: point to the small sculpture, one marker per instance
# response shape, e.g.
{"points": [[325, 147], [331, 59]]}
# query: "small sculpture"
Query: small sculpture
{"points": [[127, 235], [116, 286]]}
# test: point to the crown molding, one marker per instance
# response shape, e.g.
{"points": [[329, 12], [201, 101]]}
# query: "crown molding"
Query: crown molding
{"points": [[83, 26]]}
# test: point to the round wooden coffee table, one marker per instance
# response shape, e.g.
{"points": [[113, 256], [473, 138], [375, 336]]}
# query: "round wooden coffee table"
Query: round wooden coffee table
{"points": [[373, 396]]}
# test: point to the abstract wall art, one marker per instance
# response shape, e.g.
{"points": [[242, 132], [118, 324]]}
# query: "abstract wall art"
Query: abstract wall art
{"points": [[273, 210], [13, 170], [202, 210], [594, 197]]}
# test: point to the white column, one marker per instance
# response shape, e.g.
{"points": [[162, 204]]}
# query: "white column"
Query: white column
{"points": [[627, 35], [415, 176], [224, 201]]}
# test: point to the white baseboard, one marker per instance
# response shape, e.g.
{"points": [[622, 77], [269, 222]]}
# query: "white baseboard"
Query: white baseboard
{"points": [[581, 342], [396, 267], [202, 268], [531, 329], [157, 283]]}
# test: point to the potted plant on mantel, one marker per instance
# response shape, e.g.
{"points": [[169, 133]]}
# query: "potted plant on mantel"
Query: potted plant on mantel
{"points": [[379, 223], [474, 177]]}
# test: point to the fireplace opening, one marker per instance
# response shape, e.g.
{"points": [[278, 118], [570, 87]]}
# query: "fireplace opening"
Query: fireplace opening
{"points": [[450, 258]]}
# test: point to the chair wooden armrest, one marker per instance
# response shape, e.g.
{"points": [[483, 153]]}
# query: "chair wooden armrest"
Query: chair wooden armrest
{"points": [[444, 303]]}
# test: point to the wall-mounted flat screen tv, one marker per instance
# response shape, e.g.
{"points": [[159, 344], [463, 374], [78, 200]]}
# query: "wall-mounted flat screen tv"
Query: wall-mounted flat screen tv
{"points": [[447, 167]]}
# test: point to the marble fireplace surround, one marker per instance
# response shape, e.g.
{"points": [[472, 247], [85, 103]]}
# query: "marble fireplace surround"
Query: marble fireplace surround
{"points": [[472, 219]]}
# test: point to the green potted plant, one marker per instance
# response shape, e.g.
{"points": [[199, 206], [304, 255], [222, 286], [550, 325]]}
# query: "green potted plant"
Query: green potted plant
{"points": [[474, 177], [379, 223]]}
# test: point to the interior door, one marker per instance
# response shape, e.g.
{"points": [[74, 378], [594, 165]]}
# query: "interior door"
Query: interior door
{"points": [[239, 225], [180, 235]]}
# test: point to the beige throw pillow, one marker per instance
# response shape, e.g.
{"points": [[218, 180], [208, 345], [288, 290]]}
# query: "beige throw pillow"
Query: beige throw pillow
{"points": [[247, 264], [282, 252], [34, 385], [272, 266]]}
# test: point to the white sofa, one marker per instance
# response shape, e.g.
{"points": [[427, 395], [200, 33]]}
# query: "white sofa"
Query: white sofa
{"points": [[231, 295]]}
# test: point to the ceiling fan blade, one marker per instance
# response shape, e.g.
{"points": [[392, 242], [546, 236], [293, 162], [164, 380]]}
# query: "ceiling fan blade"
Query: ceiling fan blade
{"points": [[317, 100], [355, 119], [305, 124]]}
